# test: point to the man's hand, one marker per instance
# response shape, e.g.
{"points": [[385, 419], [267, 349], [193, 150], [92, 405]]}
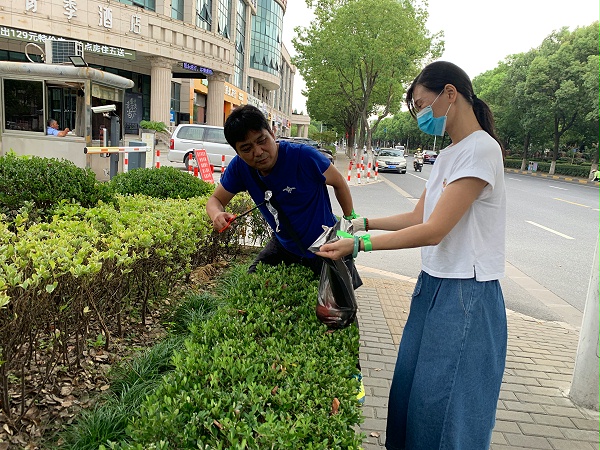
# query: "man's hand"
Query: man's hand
{"points": [[220, 221]]}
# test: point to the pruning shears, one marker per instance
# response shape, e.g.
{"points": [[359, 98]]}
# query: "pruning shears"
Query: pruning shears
{"points": [[268, 195]]}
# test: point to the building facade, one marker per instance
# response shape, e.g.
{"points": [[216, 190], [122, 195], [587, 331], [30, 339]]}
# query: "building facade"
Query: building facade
{"points": [[191, 61]]}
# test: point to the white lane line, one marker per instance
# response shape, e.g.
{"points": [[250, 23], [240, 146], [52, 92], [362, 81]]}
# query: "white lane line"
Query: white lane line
{"points": [[416, 176], [556, 187], [549, 229], [514, 179]]}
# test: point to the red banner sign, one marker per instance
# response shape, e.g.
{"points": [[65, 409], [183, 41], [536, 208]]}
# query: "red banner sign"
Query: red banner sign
{"points": [[204, 167]]}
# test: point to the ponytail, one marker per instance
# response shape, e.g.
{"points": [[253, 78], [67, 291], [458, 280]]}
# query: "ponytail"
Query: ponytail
{"points": [[484, 116]]}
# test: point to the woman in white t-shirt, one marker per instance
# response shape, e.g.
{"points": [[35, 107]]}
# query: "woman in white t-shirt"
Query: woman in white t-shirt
{"points": [[452, 354]]}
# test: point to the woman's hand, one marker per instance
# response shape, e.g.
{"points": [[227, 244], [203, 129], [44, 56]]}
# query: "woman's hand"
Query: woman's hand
{"points": [[337, 249]]}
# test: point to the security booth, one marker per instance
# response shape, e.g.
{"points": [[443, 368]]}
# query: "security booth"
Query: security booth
{"points": [[33, 93]]}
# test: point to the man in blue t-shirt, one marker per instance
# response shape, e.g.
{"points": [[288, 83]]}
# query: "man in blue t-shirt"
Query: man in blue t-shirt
{"points": [[296, 174], [52, 129]]}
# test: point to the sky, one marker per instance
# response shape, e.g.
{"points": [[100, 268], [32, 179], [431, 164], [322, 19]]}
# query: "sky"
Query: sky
{"points": [[478, 34]]}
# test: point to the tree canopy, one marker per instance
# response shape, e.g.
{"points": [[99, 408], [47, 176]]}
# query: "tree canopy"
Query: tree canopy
{"points": [[357, 58]]}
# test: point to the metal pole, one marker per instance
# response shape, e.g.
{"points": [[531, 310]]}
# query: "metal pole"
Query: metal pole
{"points": [[584, 386]]}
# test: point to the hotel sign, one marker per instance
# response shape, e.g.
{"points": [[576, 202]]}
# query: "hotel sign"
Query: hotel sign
{"points": [[32, 36], [196, 68]]}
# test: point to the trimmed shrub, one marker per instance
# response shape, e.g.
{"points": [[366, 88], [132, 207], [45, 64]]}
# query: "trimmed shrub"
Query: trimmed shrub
{"points": [[572, 170], [38, 185], [164, 182], [262, 372]]}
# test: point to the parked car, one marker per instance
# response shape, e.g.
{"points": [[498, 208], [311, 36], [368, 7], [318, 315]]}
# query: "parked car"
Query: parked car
{"points": [[189, 136], [429, 156], [306, 141], [391, 159]]}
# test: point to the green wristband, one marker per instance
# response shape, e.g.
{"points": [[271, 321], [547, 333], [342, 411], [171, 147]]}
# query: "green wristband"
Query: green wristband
{"points": [[352, 215], [356, 247], [367, 242]]}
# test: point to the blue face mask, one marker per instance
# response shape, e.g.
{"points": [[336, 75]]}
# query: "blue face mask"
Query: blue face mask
{"points": [[429, 124]]}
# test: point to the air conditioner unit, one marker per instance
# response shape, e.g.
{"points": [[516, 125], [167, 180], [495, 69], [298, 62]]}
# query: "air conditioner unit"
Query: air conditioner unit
{"points": [[58, 52]]}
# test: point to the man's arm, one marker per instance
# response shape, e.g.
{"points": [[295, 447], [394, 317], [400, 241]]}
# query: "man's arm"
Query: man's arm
{"points": [[215, 207], [341, 190], [63, 132]]}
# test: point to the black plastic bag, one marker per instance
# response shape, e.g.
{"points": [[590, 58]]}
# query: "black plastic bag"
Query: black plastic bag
{"points": [[336, 302]]}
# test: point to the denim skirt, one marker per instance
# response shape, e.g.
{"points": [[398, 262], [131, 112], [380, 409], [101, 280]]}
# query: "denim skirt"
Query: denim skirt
{"points": [[449, 368]]}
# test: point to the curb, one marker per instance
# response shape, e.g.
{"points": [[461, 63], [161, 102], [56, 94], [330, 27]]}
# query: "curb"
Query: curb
{"points": [[554, 177]]}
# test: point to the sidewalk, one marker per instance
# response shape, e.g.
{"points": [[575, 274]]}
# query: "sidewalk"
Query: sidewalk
{"points": [[534, 411]]}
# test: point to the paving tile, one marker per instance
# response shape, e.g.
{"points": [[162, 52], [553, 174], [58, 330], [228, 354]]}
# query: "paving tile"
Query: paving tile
{"points": [[498, 438], [580, 435], [525, 407], [534, 429], [513, 416], [563, 411], [586, 424], [505, 426], [534, 398], [563, 444], [556, 421], [530, 442]]}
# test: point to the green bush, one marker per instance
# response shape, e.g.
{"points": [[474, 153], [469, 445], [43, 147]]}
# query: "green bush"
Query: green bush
{"points": [[38, 185], [570, 170], [260, 373], [164, 182]]}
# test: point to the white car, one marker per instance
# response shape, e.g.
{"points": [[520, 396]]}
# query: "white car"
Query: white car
{"points": [[188, 137], [391, 159]]}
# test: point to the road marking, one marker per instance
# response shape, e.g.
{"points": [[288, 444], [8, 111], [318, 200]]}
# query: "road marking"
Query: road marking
{"points": [[572, 203], [401, 191], [515, 179], [556, 187], [549, 229], [416, 176]]}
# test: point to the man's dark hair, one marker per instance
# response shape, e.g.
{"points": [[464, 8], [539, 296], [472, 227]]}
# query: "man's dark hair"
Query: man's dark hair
{"points": [[51, 122], [241, 121]]}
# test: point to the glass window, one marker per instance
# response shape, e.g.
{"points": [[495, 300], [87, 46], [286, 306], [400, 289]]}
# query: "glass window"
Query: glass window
{"points": [[62, 105], [266, 32], [203, 14], [175, 96], [223, 11], [177, 9], [215, 135], [24, 105], [240, 43], [146, 4]]}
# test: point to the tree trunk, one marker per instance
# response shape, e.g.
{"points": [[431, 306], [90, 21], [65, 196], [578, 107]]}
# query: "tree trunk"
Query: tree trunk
{"points": [[555, 149], [525, 148]]}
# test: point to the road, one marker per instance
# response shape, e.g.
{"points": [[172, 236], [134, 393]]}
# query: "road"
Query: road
{"points": [[552, 227]]}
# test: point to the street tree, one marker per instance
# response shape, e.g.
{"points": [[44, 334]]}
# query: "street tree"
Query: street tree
{"points": [[365, 52]]}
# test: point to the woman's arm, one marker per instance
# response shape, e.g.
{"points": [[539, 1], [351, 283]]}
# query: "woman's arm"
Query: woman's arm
{"points": [[452, 205]]}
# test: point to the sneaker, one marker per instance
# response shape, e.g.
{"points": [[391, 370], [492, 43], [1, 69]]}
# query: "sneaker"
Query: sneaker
{"points": [[361, 390]]}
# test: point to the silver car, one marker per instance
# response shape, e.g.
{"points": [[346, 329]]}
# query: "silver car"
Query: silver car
{"points": [[390, 159], [188, 137]]}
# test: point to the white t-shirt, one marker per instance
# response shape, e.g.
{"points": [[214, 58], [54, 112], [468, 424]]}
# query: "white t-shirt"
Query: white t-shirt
{"points": [[475, 246]]}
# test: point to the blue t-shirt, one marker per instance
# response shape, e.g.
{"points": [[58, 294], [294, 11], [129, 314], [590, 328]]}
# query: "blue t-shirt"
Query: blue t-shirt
{"points": [[51, 131], [298, 184]]}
